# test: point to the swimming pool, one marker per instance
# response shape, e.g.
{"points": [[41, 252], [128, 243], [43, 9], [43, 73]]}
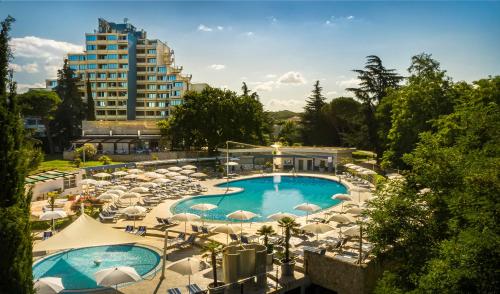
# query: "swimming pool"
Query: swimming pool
{"points": [[77, 268], [267, 195]]}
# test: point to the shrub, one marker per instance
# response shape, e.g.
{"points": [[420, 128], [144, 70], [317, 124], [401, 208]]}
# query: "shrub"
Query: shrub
{"points": [[89, 149], [105, 160], [77, 161]]}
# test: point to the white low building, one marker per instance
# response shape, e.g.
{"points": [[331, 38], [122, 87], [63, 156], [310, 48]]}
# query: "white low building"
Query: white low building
{"points": [[66, 183]]}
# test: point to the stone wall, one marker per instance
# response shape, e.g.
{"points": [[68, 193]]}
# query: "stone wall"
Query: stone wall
{"points": [[341, 276]]}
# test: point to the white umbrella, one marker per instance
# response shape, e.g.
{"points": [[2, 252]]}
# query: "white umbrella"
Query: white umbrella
{"points": [[317, 228], [198, 175], [172, 174], [139, 190], [359, 190], [116, 275], [355, 211], [232, 163], [135, 171], [343, 197], [185, 217], [353, 232], [142, 178], [148, 185], [134, 210], [227, 229], [161, 181], [102, 175], [120, 173], [130, 177], [107, 196], [115, 191], [187, 172], [203, 207], [48, 285], [53, 215], [186, 267], [130, 195], [162, 170], [350, 165], [102, 183], [174, 169], [180, 178], [88, 182], [341, 220], [153, 175], [189, 166], [119, 187], [279, 215], [241, 215], [307, 207]]}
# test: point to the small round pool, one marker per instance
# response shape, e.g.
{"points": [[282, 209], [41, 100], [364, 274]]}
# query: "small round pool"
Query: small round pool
{"points": [[267, 195], [76, 267]]}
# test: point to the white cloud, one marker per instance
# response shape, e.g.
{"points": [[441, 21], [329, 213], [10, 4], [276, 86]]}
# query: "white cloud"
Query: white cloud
{"points": [[41, 53], [270, 76], [333, 20], [350, 17], [331, 93], [284, 104], [249, 34], [220, 28], [352, 82], [217, 66], [272, 19], [29, 68], [204, 28], [292, 77], [265, 86], [22, 88]]}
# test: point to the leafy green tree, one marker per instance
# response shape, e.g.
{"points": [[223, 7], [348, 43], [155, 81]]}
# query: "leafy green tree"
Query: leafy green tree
{"points": [[90, 102], [290, 133], [266, 231], [70, 113], [344, 119], [88, 149], [165, 133], [214, 116], [313, 130], [15, 229], [428, 94], [211, 249], [44, 105], [375, 82], [439, 226]]}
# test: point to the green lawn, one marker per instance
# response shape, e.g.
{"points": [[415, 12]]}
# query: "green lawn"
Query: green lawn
{"points": [[52, 162]]}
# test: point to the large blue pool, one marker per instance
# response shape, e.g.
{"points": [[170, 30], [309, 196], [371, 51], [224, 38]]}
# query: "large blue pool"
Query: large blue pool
{"points": [[77, 268], [267, 195]]}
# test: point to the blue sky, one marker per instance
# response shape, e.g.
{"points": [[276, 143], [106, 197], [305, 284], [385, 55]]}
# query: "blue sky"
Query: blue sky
{"points": [[278, 48]]}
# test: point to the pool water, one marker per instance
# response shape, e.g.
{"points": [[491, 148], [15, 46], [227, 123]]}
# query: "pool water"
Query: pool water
{"points": [[77, 268], [267, 195]]}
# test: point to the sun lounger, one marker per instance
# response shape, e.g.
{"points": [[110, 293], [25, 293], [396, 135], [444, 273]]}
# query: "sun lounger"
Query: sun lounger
{"points": [[194, 289], [234, 237], [244, 240], [174, 291], [141, 231], [190, 241], [47, 235], [129, 229], [195, 228], [205, 230], [106, 217]]}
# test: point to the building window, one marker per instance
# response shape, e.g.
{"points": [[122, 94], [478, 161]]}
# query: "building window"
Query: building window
{"points": [[112, 47], [162, 104], [102, 75], [101, 94], [91, 57], [123, 66], [91, 38], [151, 69], [162, 78], [92, 66], [163, 95], [123, 56], [69, 182], [177, 93], [151, 95], [82, 67], [151, 78], [152, 51], [91, 47], [73, 57], [151, 104], [151, 60], [122, 75], [178, 84], [113, 66], [162, 87], [112, 56], [122, 112], [162, 69], [122, 84], [101, 103], [73, 67], [151, 87], [101, 85], [113, 75], [175, 102], [171, 78], [100, 112], [111, 37]]}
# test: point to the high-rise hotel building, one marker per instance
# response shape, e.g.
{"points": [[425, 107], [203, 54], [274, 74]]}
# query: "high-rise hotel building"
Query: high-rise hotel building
{"points": [[131, 77]]}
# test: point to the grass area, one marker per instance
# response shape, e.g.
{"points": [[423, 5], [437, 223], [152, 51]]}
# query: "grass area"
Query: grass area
{"points": [[52, 162]]}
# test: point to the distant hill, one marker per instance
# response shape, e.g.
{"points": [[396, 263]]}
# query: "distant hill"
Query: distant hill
{"points": [[283, 114]]}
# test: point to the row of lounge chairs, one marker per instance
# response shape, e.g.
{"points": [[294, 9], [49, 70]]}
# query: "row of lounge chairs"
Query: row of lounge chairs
{"points": [[192, 288], [141, 230]]}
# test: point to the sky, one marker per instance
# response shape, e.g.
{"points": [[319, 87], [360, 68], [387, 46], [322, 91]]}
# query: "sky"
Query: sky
{"points": [[279, 48]]}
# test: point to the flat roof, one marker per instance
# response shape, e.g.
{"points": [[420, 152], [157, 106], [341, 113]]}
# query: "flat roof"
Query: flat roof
{"points": [[288, 149], [48, 175]]}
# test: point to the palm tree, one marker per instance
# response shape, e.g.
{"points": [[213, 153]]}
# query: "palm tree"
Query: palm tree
{"points": [[211, 249], [288, 224], [266, 231]]}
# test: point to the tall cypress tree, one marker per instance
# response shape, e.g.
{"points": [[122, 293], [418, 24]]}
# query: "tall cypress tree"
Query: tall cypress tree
{"points": [[71, 112], [90, 102], [15, 230], [312, 119]]}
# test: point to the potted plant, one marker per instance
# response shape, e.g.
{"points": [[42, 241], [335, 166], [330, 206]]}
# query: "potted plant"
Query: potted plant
{"points": [[211, 249], [269, 166], [322, 166], [287, 263], [266, 231]]}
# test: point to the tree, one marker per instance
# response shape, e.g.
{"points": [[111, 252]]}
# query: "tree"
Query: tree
{"points": [[90, 101], [211, 250], [312, 119], [70, 113], [266, 231], [345, 122], [439, 226], [428, 94], [44, 105], [289, 225], [375, 82], [88, 150], [290, 133], [214, 116], [15, 230]]}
